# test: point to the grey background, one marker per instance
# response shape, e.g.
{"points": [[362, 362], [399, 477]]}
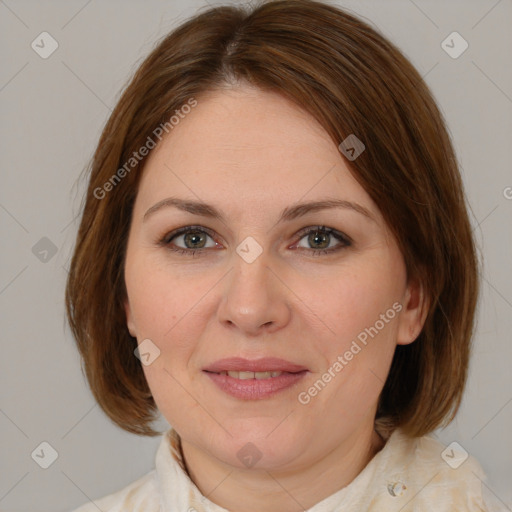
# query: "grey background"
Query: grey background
{"points": [[52, 112]]}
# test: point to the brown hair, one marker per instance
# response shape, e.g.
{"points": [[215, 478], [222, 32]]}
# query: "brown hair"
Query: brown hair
{"points": [[353, 81]]}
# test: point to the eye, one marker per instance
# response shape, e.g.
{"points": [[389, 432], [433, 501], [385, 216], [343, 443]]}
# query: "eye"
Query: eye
{"points": [[323, 240], [192, 240], [189, 240]]}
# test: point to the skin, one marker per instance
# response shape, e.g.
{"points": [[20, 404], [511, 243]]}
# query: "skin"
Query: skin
{"points": [[251, 154]]}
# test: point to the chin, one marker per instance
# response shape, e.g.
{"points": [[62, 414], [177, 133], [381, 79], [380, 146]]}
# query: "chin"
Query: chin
{"points": [[257, 444]]}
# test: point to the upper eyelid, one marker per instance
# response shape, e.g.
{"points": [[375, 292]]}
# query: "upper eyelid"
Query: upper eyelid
{"points": [[185, 229]]}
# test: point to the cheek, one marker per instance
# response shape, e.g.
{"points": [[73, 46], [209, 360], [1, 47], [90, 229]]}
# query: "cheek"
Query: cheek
{"points": [[169, 309], [166, 309], [162, 300], [362, 307], [354, 302]]}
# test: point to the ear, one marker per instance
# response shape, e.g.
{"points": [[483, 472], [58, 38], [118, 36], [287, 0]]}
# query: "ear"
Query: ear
{"points": [[414, 312], [129, 318]]}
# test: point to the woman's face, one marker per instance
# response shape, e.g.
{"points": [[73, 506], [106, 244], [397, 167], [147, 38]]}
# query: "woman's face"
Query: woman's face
{"points": [[303, 305]]}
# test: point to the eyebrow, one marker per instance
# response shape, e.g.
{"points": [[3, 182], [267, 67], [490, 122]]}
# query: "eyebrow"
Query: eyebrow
{"points": [[289, 213]]}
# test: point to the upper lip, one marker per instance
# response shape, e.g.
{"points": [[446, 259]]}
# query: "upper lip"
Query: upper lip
{"points": [[265, 364]]}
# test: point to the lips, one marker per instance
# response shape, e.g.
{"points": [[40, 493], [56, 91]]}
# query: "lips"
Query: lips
{"points": [[266, 364], [254, 379]]}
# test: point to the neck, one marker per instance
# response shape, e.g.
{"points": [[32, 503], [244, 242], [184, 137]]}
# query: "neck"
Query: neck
{"points": [[291, 490]]}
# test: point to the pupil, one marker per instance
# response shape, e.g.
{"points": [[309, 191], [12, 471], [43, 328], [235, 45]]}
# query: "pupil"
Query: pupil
{"points": [[318, 237], [194, 236]]}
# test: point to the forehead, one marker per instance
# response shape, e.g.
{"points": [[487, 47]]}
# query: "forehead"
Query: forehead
{"points": [[248, 145]]}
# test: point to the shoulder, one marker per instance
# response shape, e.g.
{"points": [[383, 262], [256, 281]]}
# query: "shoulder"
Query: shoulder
{"points": [[140, 496], [422, 474]]}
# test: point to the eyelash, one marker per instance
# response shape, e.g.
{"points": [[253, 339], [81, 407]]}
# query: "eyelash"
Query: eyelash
{"points": [[345, 240]]}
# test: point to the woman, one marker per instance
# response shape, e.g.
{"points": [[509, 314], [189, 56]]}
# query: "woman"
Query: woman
{"points": [[275, 254]]}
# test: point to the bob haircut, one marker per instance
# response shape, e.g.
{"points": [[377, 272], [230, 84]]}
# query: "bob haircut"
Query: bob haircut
{"points": [[352, 81]]}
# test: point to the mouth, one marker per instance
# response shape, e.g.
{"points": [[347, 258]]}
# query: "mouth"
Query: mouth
{"points": [[250, 375], [263, 365], [254, 379]]}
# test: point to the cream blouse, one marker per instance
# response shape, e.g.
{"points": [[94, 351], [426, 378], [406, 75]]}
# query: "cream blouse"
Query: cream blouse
{"points": [[406, 475]]}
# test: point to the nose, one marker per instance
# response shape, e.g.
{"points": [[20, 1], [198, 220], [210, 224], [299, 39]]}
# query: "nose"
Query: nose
{"points": [[254, 300]]}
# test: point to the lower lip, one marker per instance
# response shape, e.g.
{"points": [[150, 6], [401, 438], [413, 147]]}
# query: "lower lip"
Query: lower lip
{"points": [[255, 389]]}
